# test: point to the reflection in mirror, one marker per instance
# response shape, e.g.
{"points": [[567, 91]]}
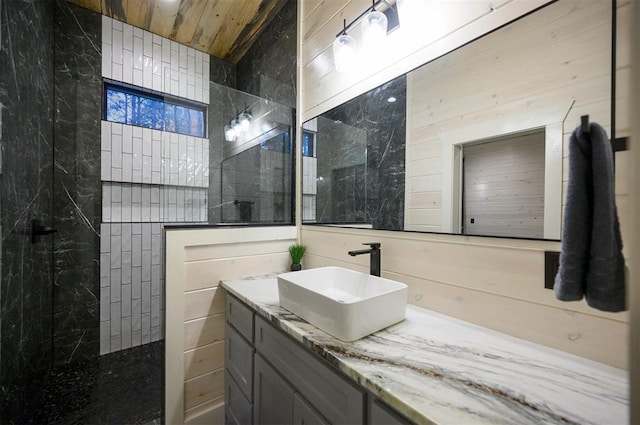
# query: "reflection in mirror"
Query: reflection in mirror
{"points": [[250, 174], [256, 183], [503, 186], [357, 174], [474, 142]]}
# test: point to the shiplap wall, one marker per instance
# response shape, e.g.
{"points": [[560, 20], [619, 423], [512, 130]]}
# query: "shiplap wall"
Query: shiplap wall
{"points": [[495, 283], [196, 261]]}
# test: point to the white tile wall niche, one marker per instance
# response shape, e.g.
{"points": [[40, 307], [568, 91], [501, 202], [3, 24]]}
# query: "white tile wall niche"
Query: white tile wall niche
{"points": [[140, 203], [134, 154], [150, 177]]}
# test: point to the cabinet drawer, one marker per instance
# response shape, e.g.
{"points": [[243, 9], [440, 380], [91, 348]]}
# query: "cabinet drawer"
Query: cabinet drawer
{"points": [[238, 410], [334, 397], [239, 361], [240, 317]]}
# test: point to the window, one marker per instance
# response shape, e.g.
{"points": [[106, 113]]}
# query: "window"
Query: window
{"points": [[308, 143], [280, 143], [127, 105]]}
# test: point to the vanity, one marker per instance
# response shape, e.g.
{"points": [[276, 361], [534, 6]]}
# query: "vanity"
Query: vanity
{"points": [[427, 369]]}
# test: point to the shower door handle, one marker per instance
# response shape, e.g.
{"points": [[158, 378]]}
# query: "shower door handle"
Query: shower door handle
{"points": [[38, 230]]}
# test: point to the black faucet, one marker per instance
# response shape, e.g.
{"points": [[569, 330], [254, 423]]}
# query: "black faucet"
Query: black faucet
{"points": [[374, 266]]}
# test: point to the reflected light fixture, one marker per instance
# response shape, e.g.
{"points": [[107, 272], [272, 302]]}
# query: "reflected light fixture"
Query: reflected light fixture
{"points": [[237, 126], [245, 119], [229, 133]]}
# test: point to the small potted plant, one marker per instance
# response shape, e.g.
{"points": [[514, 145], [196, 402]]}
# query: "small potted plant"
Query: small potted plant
{"points": [[296, 252]]}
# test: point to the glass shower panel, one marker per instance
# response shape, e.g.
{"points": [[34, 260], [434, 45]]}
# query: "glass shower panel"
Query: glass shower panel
{"points": [[251, 165]]}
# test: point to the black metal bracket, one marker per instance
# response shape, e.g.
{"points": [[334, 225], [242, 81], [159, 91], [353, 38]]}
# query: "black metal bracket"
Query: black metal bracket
{"points": [[39, 230]]}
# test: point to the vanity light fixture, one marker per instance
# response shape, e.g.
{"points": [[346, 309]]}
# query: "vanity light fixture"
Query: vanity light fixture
{"points": [[374, 27], [238, 125], [374, 31], [344, 51]]}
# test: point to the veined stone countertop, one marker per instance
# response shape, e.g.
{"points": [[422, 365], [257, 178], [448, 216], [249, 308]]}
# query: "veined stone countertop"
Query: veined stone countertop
{"points": [[436, 369]]}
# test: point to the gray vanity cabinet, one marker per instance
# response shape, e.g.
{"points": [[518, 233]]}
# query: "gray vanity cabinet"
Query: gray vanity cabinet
{"points": [[270, 379]]}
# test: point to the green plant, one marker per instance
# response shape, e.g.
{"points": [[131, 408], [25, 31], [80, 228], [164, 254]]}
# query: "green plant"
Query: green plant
{"points": [[296, 251]]}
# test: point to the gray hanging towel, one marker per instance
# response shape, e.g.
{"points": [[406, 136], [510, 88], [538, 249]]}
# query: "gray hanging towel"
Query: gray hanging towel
{"points": [[591, 260]]}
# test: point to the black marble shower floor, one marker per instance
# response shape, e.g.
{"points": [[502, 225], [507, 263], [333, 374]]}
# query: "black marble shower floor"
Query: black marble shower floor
{"points": [[125, 387]]}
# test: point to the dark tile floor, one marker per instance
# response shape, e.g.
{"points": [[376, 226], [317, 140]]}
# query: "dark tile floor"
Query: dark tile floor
{"points": [[125, 387]]}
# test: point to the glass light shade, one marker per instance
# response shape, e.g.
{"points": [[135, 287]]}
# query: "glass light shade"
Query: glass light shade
{"points": [[229, 134], [245, 121], [344, 53], [374, 28], [237, 127]]}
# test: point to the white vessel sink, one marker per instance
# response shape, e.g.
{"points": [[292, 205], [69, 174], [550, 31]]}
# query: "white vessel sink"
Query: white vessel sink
{"points": [[346, 304]]}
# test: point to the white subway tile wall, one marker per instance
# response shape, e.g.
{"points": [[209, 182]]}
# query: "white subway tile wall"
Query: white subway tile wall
{"points": [[131, 285], [138, 57], [309, 187], [149, 177]]}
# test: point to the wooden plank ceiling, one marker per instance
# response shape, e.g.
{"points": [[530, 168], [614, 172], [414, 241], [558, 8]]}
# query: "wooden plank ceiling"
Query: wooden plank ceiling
{"points": [[223, 28]]}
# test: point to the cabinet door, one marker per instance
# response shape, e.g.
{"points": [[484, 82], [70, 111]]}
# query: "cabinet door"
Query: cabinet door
{"points": [[273, 396], [381, 414], [304, 414]]}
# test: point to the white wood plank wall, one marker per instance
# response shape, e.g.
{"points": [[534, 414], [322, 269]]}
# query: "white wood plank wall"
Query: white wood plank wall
{"points": [[496, 283], [196, 261]]}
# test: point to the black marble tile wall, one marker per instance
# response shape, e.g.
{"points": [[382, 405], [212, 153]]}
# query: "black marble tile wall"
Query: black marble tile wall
{"points": [[361, 159], [222, 72], [26, 291], [268, 69], [217, 98], [77, 186]]}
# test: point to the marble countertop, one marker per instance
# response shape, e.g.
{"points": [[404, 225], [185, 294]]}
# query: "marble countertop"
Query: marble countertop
{"points": [[436, 369]]}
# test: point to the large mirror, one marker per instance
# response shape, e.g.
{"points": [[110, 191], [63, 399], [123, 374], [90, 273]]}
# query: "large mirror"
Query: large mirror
{"points": [[472, 142]]}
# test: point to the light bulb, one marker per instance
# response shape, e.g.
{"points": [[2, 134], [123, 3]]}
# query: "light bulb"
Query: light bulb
{"points": [[245, 121], [344, 53], [374, 28], [229, 134]]}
